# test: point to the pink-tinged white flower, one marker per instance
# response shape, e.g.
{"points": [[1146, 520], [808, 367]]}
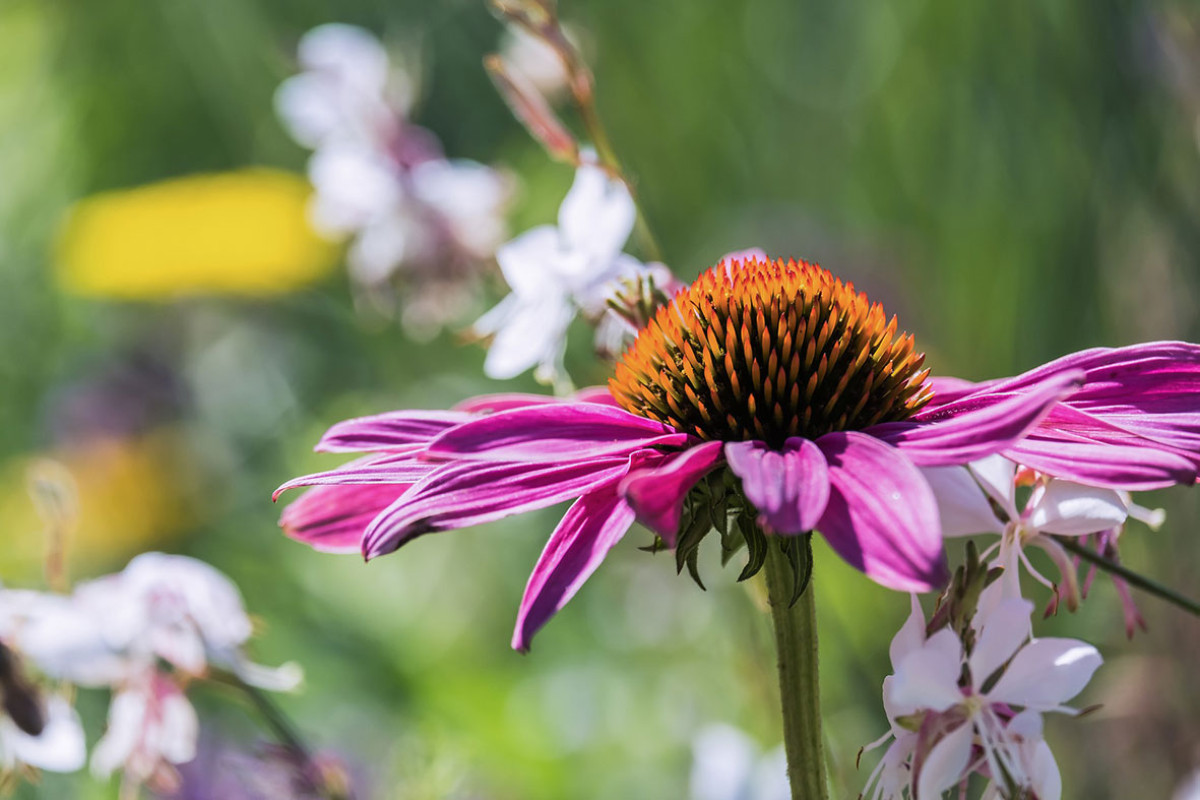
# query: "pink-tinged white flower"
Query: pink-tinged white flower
{"points": [[58, 747], [728, 765], [160, 607], [954, 711], [558, 271], [383, 181], [775, 371], [151, 728], [983, 498]]}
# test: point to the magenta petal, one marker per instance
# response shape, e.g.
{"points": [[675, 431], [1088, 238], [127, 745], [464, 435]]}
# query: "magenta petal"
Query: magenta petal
{"points": [[473, 492], [554, 433], [789, 487], [393, 467], [504, 401], [656, 493], [332, 518], [882, 516], [1134, 468], [978, 425], [589, 530], [386, 431]]}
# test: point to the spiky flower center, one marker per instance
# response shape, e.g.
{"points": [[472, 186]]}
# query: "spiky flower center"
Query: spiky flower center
{"points": [[766, 350]]}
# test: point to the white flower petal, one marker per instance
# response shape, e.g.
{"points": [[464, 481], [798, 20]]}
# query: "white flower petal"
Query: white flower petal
{"points": [[928, 676], [533, 334], [530, 263], [997, 475], [597, 215], [962, 505], [1045, 779], [1046, 673], [946, 763], [126, 718], [911, 635], [350, 53], [1002, 631], [59, 748], [1073, 509], [354, 185], [287, 677]]}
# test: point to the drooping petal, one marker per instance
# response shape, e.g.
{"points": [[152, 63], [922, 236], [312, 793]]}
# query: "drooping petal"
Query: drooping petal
{"points": [[587, 532], [946, 763], [928, 676], [1128, 466], [1002, 631], [962, 505], [388, 468], [388, 431], [332, 519], [656, 492], [470, 493], [1046, 673], [977, 425], [881, 515], [789, 487], [531, 334], [554, 433], [1148, 389], [1073, 509]]}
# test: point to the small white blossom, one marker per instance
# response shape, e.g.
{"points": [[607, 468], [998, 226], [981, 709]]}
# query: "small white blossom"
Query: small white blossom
{"points": [[556, 272], [151, 728], [383, 182], [166, 607], [954, 712], [968, 499]]}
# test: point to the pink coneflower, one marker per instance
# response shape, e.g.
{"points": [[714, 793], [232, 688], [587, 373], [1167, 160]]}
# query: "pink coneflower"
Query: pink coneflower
{"points": [[774, 370]]}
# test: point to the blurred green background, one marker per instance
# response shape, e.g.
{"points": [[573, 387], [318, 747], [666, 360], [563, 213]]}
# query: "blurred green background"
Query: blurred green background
{"points": [[1015, 180]]}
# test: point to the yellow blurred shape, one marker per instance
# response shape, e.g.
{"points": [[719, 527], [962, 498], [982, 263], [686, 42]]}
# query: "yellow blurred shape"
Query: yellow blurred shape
{"points": [[122, 496], [243, 232]]}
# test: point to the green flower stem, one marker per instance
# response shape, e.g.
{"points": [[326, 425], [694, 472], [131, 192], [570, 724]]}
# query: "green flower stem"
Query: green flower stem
{"points": [[796, 644]]}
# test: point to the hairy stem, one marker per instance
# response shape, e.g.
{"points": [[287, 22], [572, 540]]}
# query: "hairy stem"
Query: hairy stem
{"points": [[1133, 578], [796, 644]]}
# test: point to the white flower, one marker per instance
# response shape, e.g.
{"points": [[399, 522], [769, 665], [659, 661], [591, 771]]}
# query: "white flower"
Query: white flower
{"points": [[727, 765], [558, 271], [151, 728], [1055, 506], [940, 713], [383, 183], [58, 748], [348, 91], [111, 629]]}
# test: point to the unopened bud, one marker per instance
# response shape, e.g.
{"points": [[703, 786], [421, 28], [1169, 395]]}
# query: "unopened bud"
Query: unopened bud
{"points": [[531, 109]]}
